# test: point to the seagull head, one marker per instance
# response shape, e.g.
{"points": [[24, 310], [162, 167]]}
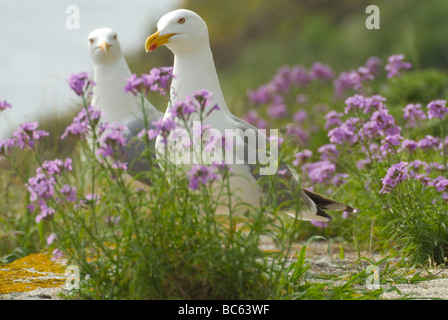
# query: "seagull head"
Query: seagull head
{"points": [[179, 30], [103, 45]]}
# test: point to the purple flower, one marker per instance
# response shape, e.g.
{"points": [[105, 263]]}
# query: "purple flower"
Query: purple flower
{"points": [[364, 74], [320, 171], [426, 181], [365, 104], [55, 167], [394, 176], [40, 186], [151, 134], [80, 125], [360, 164], [346, 214], [354, 79], [69, 192], [328, 151], [339, 179], [6, 145], [408, 145], [375, 152], [436, 166], [51, 238], [93, 197], [79, 82], [389, 142], [384, 122], [200, 174], [4, 105], [27, 135], [158, 80], [440, 184], [347, 80], [333, 119], [395, 65], [428, 142], [163, 128], [355, 102], [111, 142], [373, 64], [345, 133], [301, 157], [278, 109], [300, 116], [166, 125], [299, 76], [296, 132], [200, 131], [277, 139], [262, 95], [56, 254], [321, 71], [413, 113], [319, 224], [183, 109], [281, 80], [415, 166], [201, 100], [254, 119], [375, 103], [279, 84], [133, 84], [45, 211], [437, 109]]}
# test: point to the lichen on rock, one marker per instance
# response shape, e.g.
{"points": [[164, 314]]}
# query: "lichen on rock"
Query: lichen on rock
{"points": [[34, 271]]}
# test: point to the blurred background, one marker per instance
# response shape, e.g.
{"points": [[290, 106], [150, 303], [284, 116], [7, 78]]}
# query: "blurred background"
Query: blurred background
{"points": [[250, 40]]}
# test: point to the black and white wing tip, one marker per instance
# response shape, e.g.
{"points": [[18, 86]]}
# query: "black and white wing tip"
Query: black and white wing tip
{"points": [[322, 203]]}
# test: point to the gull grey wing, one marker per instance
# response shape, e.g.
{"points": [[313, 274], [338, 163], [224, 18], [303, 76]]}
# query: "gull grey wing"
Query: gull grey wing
{"points": [[135, 147], [290, 178]]}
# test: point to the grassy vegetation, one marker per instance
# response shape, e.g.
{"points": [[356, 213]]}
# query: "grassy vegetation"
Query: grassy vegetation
{"points": [[166, 240]]}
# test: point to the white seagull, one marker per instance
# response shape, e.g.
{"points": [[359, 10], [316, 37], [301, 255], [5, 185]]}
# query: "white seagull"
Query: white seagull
{"points": [[110, 71], [185, 33]]}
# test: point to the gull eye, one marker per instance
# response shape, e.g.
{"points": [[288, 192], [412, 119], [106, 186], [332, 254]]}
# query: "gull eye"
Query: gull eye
{"points": [[181, 21], [115, 37], [91, 40]]}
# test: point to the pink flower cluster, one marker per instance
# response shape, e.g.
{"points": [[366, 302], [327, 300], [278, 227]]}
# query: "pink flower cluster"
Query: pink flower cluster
{"points": [[395, 65], [354, 79], [24, 138], [80, 83], [43, 187], [157, 80]]}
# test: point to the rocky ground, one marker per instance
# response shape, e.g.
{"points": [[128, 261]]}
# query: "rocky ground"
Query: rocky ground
{"points": [[321, 263], [324, 263]]}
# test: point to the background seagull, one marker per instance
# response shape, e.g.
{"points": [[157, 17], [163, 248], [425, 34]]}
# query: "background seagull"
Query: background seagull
{"points": [[110, 71], [185, 33]]}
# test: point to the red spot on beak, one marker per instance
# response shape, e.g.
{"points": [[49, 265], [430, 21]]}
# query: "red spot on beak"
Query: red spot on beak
{"points": [[153, 47]]}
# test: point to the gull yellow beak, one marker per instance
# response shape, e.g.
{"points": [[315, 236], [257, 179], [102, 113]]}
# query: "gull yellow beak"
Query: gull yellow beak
{"points": [[104, 46], [156, 40]]}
